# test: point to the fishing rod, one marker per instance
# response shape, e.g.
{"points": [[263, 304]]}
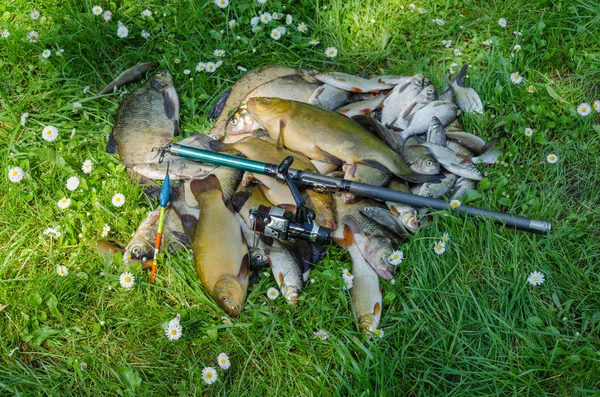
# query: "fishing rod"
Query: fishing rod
{"points": [[324, 183]]}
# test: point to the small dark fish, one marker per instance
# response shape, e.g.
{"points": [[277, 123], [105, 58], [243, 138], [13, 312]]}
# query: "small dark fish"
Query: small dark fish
{"points": [[131, 75]]}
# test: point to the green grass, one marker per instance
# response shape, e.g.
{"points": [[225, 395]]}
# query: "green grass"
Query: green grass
{"points": [[463, 323]]}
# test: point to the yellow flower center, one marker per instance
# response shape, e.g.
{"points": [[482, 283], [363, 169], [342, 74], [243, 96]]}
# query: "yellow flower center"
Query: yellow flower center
{"points": [[15, 173], [584, 109], [209, 375], [223, 361], [127, 279], [438, 246], [173, 332], [595, 105]]}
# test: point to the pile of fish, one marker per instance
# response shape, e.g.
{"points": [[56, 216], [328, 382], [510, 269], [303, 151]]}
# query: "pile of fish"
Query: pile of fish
{"points": [[393, 131]]}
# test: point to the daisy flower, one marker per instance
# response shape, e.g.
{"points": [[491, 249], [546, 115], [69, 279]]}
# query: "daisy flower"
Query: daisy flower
{"points": [[348, 283], [127, 280], [272, 293], [331, 52], [187, 71], [502, 22], [223, 360], [64, 203], [96, 10], [77, 105], [34, 15], [455, 204], [219, 53], [24, 117], [59, 53], [346, 274], [302, 27], [15, 174], [4, 33], [107, 15], [517, 47], [457, 52], [219, 63], [528, 131], [72, 183], [173, 331], [50, 133], [276, 16], [313, 42], [105, 230], [226, 320], [584, 109], [516, 78], [232, 23], [487, 42], [552, 158], [256, 29], [146, 13], [396, 258], [265, 17], [439, 21], [200, 67], [145, 34], [535, 278], [221, 3], [62, 270], [209, 374], [86, 89], [261, 1], [254, 21], [242, 69], [445, 237], [439, 247], [122, 31], [421, 10], [46, 54], [531, 89], [288, 19], [118, 200], [33, 36], [321, 334], [83, 366], [596, 106], [282, 30], [87, 166], [52, 232], [517, 33], [379, 333], [210, 67]]}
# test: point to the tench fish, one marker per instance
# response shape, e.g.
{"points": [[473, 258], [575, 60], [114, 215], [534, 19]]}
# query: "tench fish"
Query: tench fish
{"points": [[328, 136], [220, 251], [147, 118]]}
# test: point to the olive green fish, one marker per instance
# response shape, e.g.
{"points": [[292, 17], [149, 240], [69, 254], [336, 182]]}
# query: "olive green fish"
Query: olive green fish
{"points": [[131, 75]]}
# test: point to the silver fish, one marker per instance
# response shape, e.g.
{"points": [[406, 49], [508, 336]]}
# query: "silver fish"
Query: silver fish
{"points": [[436, 190], [419, 121], [390, 79], [453, 162], [461, 188], [400, 97], [466, 98], [363, 174], [361, 107], [328, 97], [427, 95], [131, 75], [351, 83], [406, 213]]}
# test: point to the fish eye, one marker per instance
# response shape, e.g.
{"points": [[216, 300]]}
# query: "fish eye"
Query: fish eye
{"points": [[429, 163], [225, 299], [136, 251], [233, 121], [327, 208], [268, 99]]}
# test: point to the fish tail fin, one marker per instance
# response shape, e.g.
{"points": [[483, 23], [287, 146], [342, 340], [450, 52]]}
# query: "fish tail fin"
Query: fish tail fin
{"points": [[199, 186], [460, 77], [218, 146], [348, 238]]}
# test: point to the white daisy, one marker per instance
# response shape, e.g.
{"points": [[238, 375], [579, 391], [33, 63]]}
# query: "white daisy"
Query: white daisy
{"points": [[396, 258], [379, 333], [34, 15], [226, 320], [256, 29], [219, 63], [50, 133], [457, 52], [72, 183], [348, 283], [222, 3], [455, 203], [219, 53], [33, 36], [282, 30], [145, 34], [201, 67], [584, 109], [4, 33], [232, 23], [275, 34], [105, 230], [186, 71], [46, 54], [552, 158], [346, 274], [210, 67], [596, 106], [265, 17], [15, 174], [439, 21], [52, 232], [288, 19], [209, 374], [64, 203], [502, 22], [528, 131], [487, 42], [313, 42], [445, 237], [272, 293], [302, 27], [223, 360], [331, 52], [127, 280], [62, 270], [517, 47], [241, 68], [531, 89], [96, 10], [174, 331], [107, 15], [516, 78], [439, 247], [421, 10], [535, 278], [87, 166], [321, 334], [254, 21], [517, 33], [146, 13], [122, 31], [118, 200], [261, 1], [24, 117], [277, 16], [83, 366]]}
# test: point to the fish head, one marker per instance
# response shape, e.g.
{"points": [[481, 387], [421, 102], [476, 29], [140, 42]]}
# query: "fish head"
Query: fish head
{"points": [[324, 211], [429, 93], [139, 250], [426, 165], [290, 293], [377, 251], [368, 324], [418, 80], [229, 295], [407, 216], [240, 122], [161, 80], [259, 258]]}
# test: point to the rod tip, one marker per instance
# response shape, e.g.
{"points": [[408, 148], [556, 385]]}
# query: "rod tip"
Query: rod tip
{"points": [[540, 226]]}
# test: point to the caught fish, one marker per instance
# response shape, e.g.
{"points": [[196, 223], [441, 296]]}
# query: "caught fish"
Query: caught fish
{"points": [[390, 79], [466, 97], [363, 174], [362, 107], [490, 156], [246, 199], [351, 83], [400, 97], [328, 97], [327, 136], [419, 121], [257, 248], [131, 75], [220, 251], [385, 218], [473, 143], [366, 291], [459, 149], [287, 272], [437, 189], [427, 95], [453, 162], [147, 118], [421, 160], [461, 188], [241, 122], [406, 213]]}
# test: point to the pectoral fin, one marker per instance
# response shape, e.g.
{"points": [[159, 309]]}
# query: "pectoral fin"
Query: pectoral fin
{"points": [[111, 145]]}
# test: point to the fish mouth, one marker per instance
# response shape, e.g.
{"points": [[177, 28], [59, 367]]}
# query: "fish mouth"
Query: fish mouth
{"points": [[330, 224]]}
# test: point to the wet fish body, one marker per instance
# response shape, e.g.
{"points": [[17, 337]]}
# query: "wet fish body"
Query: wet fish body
{"points": [[363, 174], [241, 122], [438, 189], [131, 75], [419, 121], [406, 213], [287, 272], [328, 97], [466, 98], [351, 83], [361, 107], [461, 188], [453, 163], [421, 160], [400, 97]]}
